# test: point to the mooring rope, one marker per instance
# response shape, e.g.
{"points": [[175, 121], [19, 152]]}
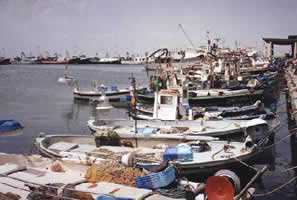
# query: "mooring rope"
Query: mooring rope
{"points": [[293, 131], [276, 189]]}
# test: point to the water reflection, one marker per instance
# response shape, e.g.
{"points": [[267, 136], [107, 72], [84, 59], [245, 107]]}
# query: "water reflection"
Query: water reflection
{"points": [[82, 110], [12, 133]]}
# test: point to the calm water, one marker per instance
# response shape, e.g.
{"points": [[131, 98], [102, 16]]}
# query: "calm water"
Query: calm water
{"points": [[31, 94]]}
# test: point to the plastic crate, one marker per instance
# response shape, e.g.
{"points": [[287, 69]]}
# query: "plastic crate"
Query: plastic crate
{"points": [[156, 180], [170, 153], [181, 153], [184, 153]]}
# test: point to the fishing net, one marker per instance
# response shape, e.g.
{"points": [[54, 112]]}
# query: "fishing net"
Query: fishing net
{"points": [[173, 130], [112, 172]]}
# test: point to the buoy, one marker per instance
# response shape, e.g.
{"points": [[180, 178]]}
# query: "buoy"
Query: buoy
{"points": [[219, 188], [128, 159]]}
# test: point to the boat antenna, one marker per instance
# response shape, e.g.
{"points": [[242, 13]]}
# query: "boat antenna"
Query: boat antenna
{"points": [[188, 38]]}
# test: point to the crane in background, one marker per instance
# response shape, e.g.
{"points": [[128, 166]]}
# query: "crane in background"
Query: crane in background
{"points": [[188, 38]]}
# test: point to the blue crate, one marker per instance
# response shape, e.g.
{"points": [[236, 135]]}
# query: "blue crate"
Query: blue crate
{"points": [[184, 153], [181, 153], [170, 153], [156, 180]]}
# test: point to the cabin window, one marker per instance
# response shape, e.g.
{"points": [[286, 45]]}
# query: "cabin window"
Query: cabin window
{"points": [[166, 100]]}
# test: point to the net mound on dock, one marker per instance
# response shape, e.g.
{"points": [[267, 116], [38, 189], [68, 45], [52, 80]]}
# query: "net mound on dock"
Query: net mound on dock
{"points": [[112, 172]]}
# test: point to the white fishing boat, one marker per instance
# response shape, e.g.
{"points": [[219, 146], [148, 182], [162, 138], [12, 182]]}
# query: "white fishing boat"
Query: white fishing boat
{"points": [[171, 105], [229, 129], [34, 177], [109, 61], [112, 92], [194, 156], [24, 60]]}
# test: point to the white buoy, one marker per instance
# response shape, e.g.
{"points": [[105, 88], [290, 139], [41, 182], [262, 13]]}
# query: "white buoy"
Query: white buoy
{"points": [[128, 159]]}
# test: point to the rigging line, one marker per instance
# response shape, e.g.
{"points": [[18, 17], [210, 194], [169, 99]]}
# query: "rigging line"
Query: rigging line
{"points": [[277, 188], [267, 147], [285, 170]]}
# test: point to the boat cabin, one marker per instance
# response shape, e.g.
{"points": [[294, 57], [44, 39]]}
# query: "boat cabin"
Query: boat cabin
{"points": [[169, 104]]}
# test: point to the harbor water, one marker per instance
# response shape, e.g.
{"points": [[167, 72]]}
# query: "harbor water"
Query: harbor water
{"points": [[31, 95]]}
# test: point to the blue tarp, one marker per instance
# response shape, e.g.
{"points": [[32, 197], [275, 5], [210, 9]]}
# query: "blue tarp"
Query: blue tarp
{"points": [[9, 125]]}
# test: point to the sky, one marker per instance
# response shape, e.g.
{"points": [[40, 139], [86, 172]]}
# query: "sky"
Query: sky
{"points": [[136, 26]]}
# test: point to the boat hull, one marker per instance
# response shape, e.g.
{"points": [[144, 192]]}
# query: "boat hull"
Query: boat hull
{"points": [[48, 62], [188, 169], [5, 61], [91, 95], [230, 100]]}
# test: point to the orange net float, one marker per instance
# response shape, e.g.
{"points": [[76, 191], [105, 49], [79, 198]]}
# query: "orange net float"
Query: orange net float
{"points": [[219, 188]]}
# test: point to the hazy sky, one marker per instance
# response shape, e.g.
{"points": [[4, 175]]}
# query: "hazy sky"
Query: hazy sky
{"points": [[117, 26]]}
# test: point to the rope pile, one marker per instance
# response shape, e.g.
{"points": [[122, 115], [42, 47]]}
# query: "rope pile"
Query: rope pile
{"points": [[112, 172]]}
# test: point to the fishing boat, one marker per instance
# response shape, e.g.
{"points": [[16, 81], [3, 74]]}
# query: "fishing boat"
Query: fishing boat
{"points": [[199, 156], [34, 177], [89, 60], [55, 61], [213, 97], [10, 128], [172, 102], [111, 92], [182, 129], [24, 60], [109, 61]]}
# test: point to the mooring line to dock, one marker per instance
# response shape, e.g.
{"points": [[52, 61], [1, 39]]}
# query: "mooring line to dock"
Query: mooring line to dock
{"points": [[276, 189], [284, 138]]}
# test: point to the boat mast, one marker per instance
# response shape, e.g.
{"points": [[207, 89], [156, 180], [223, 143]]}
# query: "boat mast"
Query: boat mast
{"points": [[133, 101]]}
